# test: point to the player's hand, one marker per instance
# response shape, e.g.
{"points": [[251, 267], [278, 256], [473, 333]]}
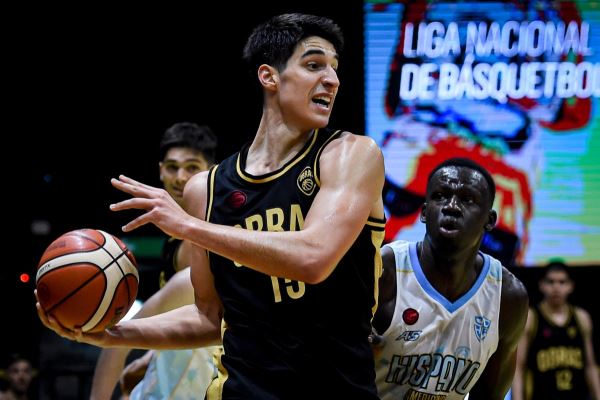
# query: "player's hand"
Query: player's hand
{"points": [[77, 335], [377, 342], [134, 372], [161, 209]]}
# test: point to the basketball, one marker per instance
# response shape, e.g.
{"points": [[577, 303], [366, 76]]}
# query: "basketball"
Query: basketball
{"points": [[87, 279]]}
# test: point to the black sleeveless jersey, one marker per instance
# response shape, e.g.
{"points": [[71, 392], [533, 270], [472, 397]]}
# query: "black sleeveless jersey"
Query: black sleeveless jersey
{"points": [[286, 339], [556, 360], [168, 265]]}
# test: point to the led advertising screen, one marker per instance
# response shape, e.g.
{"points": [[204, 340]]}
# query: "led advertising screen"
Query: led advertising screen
{"points": [[511, 85]]}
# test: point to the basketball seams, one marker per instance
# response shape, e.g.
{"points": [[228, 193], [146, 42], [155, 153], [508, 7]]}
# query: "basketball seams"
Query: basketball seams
{"points": [[111, 246], [99, 316], [110, 251], [79, 234], [131, 269], [63, 255], [82, 285], [111, 241]]}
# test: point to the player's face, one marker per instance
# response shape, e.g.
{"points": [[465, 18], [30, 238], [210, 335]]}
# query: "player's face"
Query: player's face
{"points": [[457, 208], [556, 287], [178, 166], [20, 375], [309, 84]]}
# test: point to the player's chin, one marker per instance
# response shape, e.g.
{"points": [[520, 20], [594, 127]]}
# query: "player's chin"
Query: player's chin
{"points": [[320, 116], [321, 121]]}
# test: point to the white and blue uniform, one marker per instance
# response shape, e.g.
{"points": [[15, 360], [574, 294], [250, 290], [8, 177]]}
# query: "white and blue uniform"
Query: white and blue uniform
{"points": [[434, 346], [177, 375]]}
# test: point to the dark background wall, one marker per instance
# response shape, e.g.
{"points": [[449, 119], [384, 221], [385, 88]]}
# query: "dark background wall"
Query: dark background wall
{"points": [[90, 90], [89, 93]]}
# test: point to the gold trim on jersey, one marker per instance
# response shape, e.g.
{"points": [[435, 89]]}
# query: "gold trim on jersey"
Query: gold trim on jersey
{"points": [[215, 388], [212, 173], [377, 237], [548, 317], [286, 168], [317, 170], [375, 223]]}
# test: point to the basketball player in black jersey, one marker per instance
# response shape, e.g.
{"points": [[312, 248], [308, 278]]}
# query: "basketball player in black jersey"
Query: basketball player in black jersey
{"points": [[287, 235], [555, 359]]}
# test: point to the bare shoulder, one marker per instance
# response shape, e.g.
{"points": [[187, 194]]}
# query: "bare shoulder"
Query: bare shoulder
{"points": [[584, 319], [514, 293], [346, 153], [514, 305], [354, 163], [388, 274], [357, 145], [195, 195]]}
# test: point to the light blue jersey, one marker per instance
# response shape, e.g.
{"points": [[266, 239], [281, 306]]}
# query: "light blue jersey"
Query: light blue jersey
{"points": [[177, 375], [433, 346]]}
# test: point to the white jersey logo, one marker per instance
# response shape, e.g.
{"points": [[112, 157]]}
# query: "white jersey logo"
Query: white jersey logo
{"points": [[481, 326]]}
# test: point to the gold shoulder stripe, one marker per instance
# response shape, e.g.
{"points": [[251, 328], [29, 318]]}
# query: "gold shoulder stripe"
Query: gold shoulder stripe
{"points": [[378, 223], [335, 135], [283, 171], [374, 224], [210, 190], [376, 240]]}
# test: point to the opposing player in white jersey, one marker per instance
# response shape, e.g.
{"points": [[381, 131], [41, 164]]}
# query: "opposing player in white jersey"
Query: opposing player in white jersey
{"points": [[449, 316]]}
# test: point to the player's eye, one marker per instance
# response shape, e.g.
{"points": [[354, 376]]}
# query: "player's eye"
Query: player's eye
{"points": [[172, 168], [193, 168]]}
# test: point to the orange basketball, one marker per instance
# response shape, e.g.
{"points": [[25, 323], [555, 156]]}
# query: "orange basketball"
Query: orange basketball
{"points": [[87, 278]]}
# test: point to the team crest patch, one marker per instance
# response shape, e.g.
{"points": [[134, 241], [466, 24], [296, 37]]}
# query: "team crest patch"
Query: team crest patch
{"points": [[236, 199], [482, 325], [306, 181]]}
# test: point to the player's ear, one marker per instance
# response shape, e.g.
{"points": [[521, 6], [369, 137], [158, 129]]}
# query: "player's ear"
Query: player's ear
{"points": [[492, 218], [268, 77], [422, 217]]}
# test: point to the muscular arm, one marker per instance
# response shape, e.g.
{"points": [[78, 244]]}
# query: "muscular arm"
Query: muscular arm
{"points": [[347, 196], [177, 292], [518, 385], [190, 326], [591, 375], [498, 374], [193, 325]]}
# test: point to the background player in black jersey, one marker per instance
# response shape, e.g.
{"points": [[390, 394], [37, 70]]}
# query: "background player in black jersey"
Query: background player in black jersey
{"points": [[556, 355], [294, 291], [185, 149]]}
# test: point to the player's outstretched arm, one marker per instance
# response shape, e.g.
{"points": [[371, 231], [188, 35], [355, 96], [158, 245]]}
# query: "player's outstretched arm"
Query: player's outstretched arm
{"points": [[347, 196], [190, 326], [182, 328], [499, 371]]}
